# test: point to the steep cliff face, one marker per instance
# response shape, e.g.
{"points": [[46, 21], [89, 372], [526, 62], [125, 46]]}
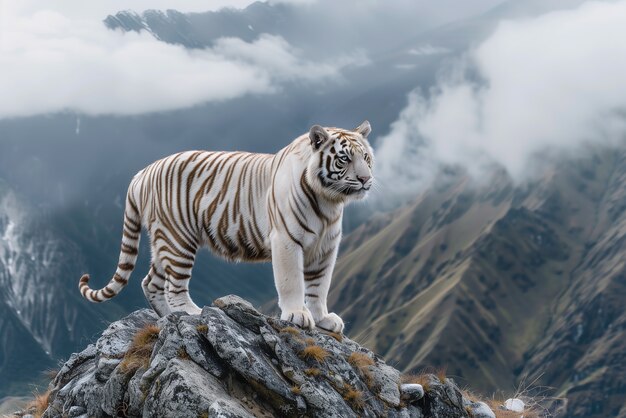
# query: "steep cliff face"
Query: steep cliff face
{"points": [[501, 283], [232, 361]]}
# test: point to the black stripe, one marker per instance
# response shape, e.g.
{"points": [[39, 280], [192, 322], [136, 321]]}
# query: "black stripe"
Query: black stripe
{"points": [[300, 222], [287, 230], [176, 275], [120, 279], [126, 266], [128, 249]]}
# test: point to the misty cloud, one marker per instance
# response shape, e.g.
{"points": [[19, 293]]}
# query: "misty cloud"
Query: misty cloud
{"points": [[544, 86], [428, 49], [51, 63], [275, 56]]}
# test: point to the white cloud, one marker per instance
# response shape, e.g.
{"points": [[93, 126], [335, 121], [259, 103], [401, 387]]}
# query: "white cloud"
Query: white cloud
{"points": [[51, 62], [428, 49], [275, 55], [549, 84]]}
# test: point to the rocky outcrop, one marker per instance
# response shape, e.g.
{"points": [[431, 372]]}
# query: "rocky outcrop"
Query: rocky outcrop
{"points": [[232, 361]]}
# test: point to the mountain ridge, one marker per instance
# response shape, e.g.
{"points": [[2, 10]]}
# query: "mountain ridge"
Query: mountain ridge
{"points": [[512, 282]]}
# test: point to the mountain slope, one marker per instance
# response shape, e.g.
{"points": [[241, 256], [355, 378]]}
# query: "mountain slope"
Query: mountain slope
{"points": [[500, 282], [39, 317]]}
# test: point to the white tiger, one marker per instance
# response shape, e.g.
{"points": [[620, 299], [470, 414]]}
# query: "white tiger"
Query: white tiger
{"points": [[285, 207]]}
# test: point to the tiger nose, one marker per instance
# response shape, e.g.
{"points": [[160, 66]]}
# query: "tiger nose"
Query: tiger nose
{"points": [[363, 179]]}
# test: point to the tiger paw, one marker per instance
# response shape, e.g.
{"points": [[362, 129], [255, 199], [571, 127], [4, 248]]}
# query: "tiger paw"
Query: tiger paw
{"points": [[331, 322], [301, 318]]}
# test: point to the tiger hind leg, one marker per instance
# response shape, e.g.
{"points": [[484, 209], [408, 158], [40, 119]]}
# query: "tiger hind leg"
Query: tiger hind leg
{"points": [[154, 288], [177, 288]]}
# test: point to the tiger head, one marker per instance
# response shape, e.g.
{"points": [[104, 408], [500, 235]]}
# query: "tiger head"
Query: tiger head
{"points": [[342, 161]]}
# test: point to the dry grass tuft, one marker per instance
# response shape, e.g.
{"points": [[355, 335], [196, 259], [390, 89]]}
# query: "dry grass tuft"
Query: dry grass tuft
{"points": [[500, 413], [503, 413], [313, 371], [51, 373], [39, 404], [296, 390], [535, 398], [360, 360], [314, 352], [467, 394], [291, 330], [202, 328], [441, 374], [353, 397], [529, 411], [138, 355], [336, 336], [182, 353]]}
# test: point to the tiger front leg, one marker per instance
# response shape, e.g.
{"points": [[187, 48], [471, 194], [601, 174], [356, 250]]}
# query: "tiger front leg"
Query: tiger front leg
{"points": [[287, 262], [317, 278]]}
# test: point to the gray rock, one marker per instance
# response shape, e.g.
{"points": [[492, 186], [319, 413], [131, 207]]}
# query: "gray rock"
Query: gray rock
{"points": [[197, 346], [241, 311], [386, 379], [232, 361], [443, 399], [114, 392], [136, 395], [515, 405], [411, 392], [105, 366], [221, 409], [184, 389], [76, 411], [481, 410], [233, 303]]}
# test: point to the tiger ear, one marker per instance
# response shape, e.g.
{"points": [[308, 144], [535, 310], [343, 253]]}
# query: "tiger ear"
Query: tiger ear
{"points": [[318, 136], [364, 129]]}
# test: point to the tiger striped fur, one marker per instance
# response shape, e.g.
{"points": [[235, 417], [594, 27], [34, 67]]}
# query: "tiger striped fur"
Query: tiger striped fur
{"points": [[285, 207]]}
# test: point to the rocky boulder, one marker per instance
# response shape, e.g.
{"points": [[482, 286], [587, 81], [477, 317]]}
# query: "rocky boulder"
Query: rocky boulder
{"points": [[232, 361]]}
